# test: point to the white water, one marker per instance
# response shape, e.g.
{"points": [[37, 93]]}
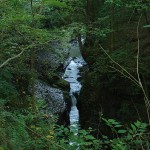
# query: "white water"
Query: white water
{"points": [[71, 74]]}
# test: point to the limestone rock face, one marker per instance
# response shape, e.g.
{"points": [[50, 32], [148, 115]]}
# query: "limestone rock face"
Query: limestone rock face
{"points": [[54, 98]]}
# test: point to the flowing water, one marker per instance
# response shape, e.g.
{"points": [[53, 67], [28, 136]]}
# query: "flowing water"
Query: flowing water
{"points": [[71, 75]]}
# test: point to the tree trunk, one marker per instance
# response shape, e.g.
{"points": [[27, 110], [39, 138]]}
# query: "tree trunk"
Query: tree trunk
{"points": [[90, 18], [34, 108], [112, 28]]}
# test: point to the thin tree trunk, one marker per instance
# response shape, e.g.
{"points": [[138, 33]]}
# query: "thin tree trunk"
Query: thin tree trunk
{"points": [[33, 81], [89, 14], [89, 11], [32, 65], [112, 27]]}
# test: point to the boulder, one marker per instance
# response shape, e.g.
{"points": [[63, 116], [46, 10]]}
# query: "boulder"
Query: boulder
{"points": [[53, 97]]}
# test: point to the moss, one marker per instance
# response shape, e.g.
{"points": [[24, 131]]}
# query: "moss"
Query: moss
{"points": [[56, 81], [51, 77], [64, 85]]}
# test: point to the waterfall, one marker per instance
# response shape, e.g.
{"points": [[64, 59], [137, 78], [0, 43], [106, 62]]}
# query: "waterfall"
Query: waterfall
{"points": [[71, 75]]}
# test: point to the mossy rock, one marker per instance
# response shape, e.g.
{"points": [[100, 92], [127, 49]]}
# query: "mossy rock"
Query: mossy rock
{"points": [[64, 85], [51, 77], [56, 81]]}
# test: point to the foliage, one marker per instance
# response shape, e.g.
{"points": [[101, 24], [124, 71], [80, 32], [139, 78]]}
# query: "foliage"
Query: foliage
{"points": [[22, 27], [74, 139], [33, 26], [127, 137]]}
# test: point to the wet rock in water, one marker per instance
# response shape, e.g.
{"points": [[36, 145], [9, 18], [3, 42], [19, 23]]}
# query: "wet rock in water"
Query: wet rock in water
{"points": [[64, 118], [67, 62], [76, 94], [79, 78], [53, 97]]}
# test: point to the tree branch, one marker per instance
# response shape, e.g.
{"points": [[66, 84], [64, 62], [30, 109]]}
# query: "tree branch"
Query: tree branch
{"points": [[131, 76], [138, 52], [9, 59], [147, 102]]}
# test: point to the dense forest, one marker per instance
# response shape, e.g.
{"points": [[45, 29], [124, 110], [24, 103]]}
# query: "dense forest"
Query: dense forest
{"points": [[75, 74]]}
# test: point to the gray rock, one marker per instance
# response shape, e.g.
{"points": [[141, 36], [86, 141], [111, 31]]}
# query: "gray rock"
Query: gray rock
{"points": [[48, 59], [53, 58], [53, 97]]}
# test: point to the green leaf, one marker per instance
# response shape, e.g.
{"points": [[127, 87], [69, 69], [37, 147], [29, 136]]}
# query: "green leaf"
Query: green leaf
{"points": [[117, 126], [138, 123], [122, 131], [130, 131], [112, 121], [147, 26], [129, 137], [133, 127]]}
